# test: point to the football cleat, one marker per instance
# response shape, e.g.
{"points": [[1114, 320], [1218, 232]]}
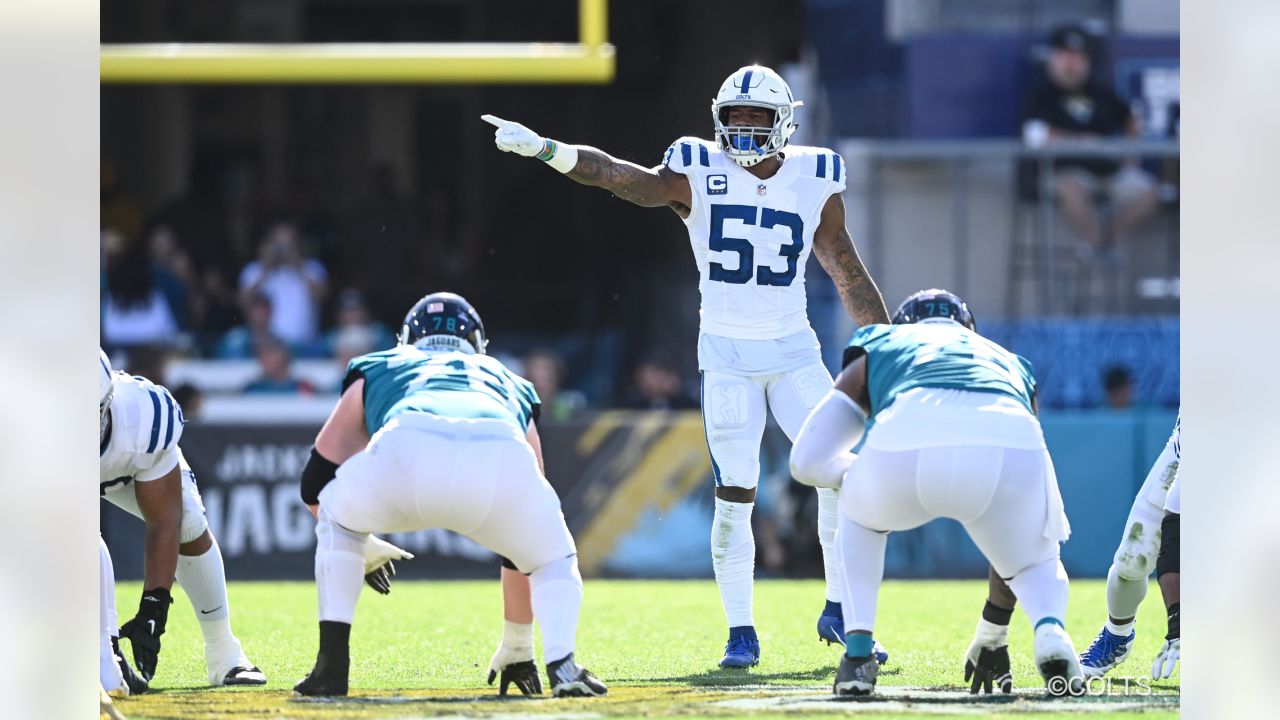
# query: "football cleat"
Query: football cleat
{"points": [[245, 675], [327, 679], [227, 664], [1107, 651], [133, 680], [831, 625], [1057, 662], [569, 679], [741, 651], [856, 676], [831, 629]]}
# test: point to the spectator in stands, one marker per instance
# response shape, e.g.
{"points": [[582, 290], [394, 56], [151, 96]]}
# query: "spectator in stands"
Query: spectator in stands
{"points": [[295, 284], [190, 399], [1118, 384], [276, 360], [545, 369], [135, 309], [657, 386], [353, 327], [216, 311], [1072, 104], [241, 341]]}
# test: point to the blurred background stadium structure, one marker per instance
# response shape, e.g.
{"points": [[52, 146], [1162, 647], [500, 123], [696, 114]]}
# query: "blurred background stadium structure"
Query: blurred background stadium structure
{"points": [[256, 236]]}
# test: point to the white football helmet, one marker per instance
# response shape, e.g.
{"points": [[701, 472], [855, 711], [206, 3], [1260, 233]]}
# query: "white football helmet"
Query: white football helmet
{"points": [[105, 391], [757, 86]]}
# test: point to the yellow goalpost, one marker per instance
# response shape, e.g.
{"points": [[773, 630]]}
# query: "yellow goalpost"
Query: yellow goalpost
{"points": [[590, 60]]}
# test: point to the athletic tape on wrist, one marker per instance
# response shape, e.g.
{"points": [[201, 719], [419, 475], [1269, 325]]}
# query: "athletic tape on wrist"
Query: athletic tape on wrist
{"points": [[560, 157]]}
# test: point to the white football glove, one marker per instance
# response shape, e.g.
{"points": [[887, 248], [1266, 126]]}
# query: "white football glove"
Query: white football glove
{"points": [[513, 661], [378, 565], [514, 137], [1167, 659], [986, 662]]}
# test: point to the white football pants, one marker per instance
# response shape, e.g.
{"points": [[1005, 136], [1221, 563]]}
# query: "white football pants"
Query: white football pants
{"points": [[1006, 498], [478, 478]]}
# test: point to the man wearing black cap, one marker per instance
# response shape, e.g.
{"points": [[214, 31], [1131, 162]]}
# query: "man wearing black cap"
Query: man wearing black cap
{"points": [[1071, 104]]}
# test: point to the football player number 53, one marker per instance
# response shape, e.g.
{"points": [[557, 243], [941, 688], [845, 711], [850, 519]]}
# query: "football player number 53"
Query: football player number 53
{"points": [[765, 218]]}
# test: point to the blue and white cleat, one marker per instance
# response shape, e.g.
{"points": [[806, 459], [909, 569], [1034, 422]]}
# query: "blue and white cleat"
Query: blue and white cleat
{"points": [[831, 629], [742, 650], [1107, 651]]}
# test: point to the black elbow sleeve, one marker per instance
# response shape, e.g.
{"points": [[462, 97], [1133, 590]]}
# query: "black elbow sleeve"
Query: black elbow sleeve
{"points": [[315, 476]]}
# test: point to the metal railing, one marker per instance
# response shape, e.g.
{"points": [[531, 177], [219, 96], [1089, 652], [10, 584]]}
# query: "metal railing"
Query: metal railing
{"points": [[959, 154]]}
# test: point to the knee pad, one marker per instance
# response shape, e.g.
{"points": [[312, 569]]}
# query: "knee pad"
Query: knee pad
{"points": [[1136, 556], [1170, 554], [193, 526], [732, 435]]}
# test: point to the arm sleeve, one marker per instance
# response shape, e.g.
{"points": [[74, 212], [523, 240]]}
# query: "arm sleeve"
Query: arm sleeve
{"points": [[821, 454]]}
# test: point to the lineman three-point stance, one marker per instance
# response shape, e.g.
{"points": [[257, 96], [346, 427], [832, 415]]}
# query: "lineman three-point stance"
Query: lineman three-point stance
{"points": [[755, 207], [955, 435], [435, 434], [143, 472]]}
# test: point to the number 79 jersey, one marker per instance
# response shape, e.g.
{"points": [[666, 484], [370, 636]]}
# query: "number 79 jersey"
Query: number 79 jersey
{"points": [[751, 237]]}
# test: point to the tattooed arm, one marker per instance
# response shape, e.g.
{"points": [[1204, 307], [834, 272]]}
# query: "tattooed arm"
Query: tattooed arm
{"points": [[646, 187], [835, 250]]}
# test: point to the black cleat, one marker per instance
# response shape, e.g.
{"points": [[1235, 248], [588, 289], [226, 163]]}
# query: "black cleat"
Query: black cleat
{"points": [[856, 677], [327, 679], [569, 679], [132, 679], [245, 675]]}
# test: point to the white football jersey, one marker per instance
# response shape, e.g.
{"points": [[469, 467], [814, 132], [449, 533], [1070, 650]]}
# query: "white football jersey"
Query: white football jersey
{"points": [[142, 441], [751, 237]]}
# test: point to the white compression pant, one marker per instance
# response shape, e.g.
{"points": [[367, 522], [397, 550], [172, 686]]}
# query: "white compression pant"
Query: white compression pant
{"points": [[734, 411], [1135, 558], [108, 626]]}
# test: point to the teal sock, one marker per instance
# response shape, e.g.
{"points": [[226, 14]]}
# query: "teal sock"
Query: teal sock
{"points": [[858, 645]]}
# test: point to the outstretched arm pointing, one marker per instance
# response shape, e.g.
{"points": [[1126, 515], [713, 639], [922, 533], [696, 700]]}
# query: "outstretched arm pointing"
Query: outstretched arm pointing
{"points": [[647, 187]]}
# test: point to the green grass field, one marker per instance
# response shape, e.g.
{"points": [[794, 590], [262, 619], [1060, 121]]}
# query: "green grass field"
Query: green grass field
{"points": [[423, 651]]}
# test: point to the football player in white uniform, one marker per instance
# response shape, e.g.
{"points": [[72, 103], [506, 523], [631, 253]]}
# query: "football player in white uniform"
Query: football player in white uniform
{"points": [[143, 472], [115, 674], [755, 207], [1150, 542]]}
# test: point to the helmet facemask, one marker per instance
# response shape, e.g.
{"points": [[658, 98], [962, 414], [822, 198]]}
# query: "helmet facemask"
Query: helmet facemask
{"points": [[104, 413], [748, 145]]}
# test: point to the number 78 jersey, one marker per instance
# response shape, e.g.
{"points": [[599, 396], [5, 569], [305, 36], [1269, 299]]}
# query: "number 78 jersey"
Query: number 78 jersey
{"points": [[751, 237]]}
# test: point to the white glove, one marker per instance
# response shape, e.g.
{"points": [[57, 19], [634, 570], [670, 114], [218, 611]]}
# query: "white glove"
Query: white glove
{"points": [[514, 137], [1167, 659], [986, 662], [379, 552], [513, 661]]}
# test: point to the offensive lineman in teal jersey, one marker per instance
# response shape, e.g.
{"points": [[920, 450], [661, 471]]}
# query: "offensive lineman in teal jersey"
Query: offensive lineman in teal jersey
{"points": [[955, 435], [435, 434]]}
